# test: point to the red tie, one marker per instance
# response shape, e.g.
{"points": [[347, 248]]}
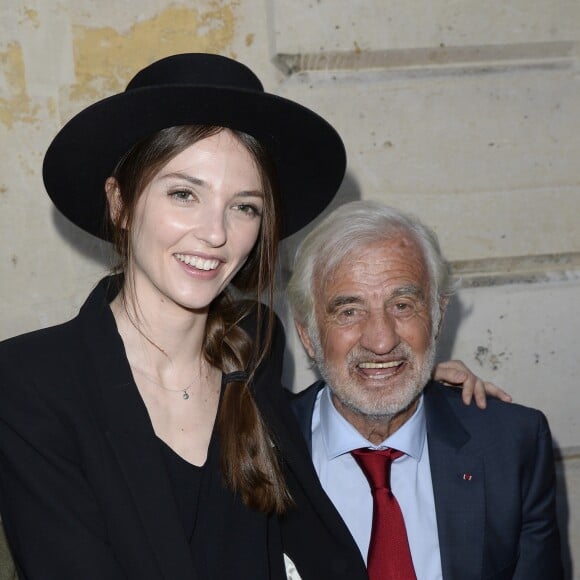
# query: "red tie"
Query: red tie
{"points": [[389, 557]]}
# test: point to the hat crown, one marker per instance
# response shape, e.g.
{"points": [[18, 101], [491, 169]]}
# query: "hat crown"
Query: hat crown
{"points": [[196, 70], [194, 89]]}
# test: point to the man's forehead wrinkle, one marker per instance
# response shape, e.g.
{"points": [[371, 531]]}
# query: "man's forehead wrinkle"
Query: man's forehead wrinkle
{"points": [[372, 278], [374, 271]]}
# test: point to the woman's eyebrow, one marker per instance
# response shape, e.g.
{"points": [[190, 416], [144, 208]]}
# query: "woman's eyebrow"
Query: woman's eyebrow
{"points": [[201, 183], [251, 193], [185, 176]]}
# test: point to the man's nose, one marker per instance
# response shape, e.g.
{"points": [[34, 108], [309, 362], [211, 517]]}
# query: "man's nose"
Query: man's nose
{"points": [[379, 333]]}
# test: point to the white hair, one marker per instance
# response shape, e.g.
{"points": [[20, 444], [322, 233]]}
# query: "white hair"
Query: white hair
{"points": [[353, 226]]}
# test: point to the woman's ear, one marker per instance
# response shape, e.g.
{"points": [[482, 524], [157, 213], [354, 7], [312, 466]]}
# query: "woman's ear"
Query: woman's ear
{"points": [[114, 199]]}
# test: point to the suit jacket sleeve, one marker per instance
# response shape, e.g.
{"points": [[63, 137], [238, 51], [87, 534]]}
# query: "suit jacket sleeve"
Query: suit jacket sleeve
{"points": [[539, 541], [50, 514]]}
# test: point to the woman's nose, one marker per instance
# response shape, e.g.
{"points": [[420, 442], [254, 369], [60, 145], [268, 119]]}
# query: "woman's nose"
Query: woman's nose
{"points": [[211, 229]]}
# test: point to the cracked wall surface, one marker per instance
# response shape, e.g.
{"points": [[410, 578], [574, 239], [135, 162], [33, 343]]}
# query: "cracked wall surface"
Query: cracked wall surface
{"points": [[465, 113]]}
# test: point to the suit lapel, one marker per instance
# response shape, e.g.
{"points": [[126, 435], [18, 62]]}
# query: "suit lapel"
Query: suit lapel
{"points": [[130, 434], [458, 485], [297, 453]]}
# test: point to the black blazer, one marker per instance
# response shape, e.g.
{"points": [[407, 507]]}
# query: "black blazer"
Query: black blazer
{"points": [[84, 492], [494, 486]]}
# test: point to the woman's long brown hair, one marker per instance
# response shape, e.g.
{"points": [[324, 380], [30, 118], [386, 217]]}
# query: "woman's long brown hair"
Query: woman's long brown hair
{"points": [[249, 463]]}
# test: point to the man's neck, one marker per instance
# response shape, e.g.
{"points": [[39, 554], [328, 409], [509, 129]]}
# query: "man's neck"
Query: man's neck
{"points": [[375, 428]]}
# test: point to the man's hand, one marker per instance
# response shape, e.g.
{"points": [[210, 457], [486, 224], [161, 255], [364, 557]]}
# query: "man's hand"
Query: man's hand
{"points": [[456, 374]]}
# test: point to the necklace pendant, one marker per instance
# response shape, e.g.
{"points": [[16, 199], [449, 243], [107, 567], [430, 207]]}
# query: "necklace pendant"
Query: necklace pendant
{"points": [[185, 395]]}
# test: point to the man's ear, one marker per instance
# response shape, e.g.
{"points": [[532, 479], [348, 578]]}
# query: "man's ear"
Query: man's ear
{"points": [[114, 198], [443, 309], [305, 338]]}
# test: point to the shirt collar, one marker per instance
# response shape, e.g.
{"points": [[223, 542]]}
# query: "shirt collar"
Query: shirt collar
{"points": [[341, 437]]}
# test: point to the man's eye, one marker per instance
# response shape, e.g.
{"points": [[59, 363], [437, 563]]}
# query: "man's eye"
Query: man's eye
{"points": [[403, 309], [348, 315]]}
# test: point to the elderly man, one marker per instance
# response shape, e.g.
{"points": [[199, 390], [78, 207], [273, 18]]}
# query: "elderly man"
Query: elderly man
{"points": [[471, 492]]}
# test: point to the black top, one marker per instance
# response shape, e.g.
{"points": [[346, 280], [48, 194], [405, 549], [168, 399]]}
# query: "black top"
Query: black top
{"points": [[185, 481], [220, 530]]}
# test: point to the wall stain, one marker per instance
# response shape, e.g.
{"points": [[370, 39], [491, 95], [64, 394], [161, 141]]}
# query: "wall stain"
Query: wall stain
{"points": [[17, 105], [485, 356], [31, 15], [106, 59], [27, 168], [51, 106]]}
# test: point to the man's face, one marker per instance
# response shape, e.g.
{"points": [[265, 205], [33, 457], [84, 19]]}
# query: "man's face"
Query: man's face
{"points": [[375, 346]]}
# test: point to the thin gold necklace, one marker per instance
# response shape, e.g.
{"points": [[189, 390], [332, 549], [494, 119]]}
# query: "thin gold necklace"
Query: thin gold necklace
{"points": [[184, 394], [182, 390]]}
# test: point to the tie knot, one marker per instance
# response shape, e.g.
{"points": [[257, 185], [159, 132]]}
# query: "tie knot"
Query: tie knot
{"points": [[376, 465]]}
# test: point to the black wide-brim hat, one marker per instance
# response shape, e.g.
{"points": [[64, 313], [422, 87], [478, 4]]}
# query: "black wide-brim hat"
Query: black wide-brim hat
{"points": [[194, 89]]}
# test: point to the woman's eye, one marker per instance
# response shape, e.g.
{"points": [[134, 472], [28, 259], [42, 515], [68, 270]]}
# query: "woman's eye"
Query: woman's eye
{"points": [[248, 209], [181, 195]]}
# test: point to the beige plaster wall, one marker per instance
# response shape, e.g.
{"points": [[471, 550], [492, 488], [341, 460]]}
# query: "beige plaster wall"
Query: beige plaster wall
{"points": [[466, 113]]}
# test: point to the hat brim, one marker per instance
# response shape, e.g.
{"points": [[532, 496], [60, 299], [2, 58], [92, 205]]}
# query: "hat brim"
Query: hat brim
{"points": [[309, 154]]}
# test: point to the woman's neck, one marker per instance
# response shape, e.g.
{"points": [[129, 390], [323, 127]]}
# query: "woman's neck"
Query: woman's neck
{"points": [[179, 388], [161, 340]]}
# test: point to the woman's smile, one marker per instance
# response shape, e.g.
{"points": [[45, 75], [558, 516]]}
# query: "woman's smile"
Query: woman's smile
{"points": [[202, 213], [197, 262]]}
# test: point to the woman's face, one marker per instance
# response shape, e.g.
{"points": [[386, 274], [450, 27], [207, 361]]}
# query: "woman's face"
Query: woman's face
{"points": [[195, 224]]}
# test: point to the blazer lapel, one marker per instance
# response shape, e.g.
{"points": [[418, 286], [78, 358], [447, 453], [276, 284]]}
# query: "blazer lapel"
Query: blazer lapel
{"points": [[132, 439], [139, 456], [297, 454], [458, 486]]}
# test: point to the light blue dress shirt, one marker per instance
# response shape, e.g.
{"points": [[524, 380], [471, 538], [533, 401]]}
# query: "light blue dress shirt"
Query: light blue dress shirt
{"points": [[333, 438]]}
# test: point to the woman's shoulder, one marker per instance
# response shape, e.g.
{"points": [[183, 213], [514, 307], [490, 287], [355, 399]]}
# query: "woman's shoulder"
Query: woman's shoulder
{"points": [[54, 342], [34, 349], [39, 340]]}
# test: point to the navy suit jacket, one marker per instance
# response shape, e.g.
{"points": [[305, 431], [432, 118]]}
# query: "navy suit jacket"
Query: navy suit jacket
{"points": [[494, 486]]}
